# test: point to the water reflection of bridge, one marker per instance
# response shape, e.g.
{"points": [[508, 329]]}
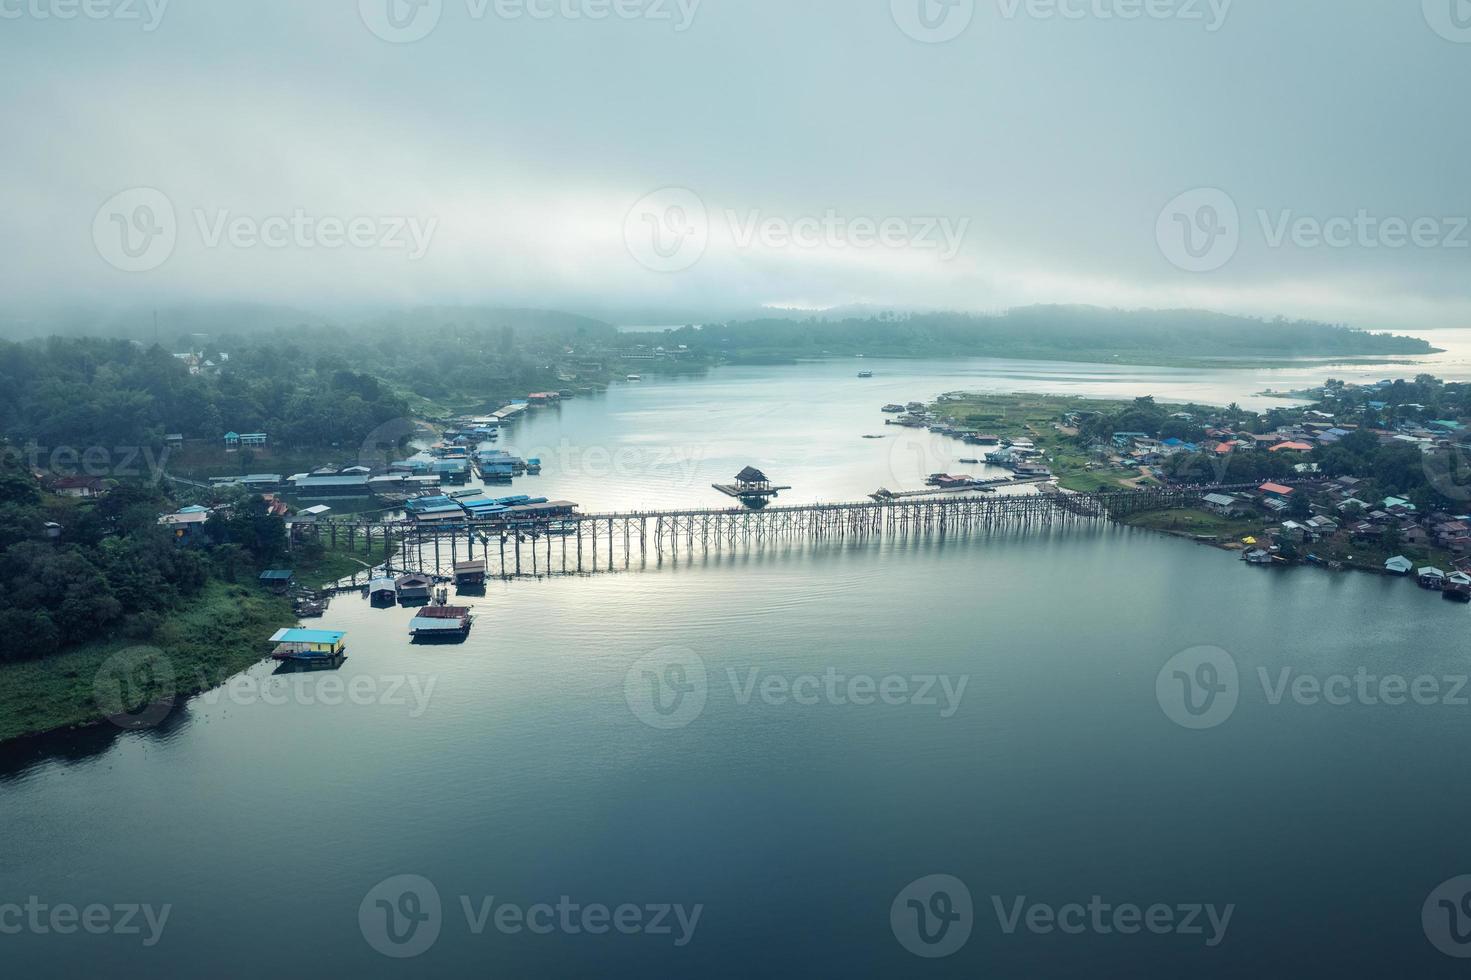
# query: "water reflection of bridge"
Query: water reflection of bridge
{"points": [[587, 543]]}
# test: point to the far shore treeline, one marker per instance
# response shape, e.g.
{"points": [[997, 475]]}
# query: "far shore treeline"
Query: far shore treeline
{"points": [[322, 385], [1049, 332]]}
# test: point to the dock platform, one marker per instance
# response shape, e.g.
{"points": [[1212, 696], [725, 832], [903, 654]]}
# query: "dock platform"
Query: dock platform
{"points": [[740, 493]]}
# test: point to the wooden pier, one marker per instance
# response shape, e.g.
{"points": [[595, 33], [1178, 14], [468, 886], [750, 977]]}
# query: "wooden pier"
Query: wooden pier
{"points": [[582, 544]]}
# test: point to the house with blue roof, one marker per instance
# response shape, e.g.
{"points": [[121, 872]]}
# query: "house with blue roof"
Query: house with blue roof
{"points": [[308, 645]]}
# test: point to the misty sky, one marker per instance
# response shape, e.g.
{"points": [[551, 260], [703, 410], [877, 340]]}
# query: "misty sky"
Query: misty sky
{"points": [[826, 151]]}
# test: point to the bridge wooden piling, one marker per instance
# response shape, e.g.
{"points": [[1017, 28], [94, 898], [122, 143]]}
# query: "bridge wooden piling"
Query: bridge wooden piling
{"points": [[657, 536]]}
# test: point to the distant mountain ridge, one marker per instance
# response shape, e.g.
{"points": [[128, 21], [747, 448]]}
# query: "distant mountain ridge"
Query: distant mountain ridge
{"points": [[1052, 331]]}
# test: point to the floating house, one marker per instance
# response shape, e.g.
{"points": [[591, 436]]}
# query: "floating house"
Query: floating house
{"points": [[414, 588], [1399, 565], [336, 487], [1457, 587], [1431, 578], [441, 624], [383, 591], [470, 573], [308, 646], [452, 470]]}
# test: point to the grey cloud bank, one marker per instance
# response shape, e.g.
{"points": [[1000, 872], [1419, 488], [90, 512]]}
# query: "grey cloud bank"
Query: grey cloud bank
{"points": [[1027, 158]]}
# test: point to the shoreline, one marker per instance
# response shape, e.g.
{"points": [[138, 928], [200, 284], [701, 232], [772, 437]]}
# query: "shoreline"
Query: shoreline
{"points": [[204, 644]]}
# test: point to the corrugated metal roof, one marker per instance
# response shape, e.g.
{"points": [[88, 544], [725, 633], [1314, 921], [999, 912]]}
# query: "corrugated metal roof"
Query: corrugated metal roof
{"points": [[307, 636], [421, 625]]}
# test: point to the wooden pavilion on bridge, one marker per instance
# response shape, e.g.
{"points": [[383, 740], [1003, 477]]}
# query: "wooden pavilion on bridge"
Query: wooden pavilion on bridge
{"points": [[750, 484]]}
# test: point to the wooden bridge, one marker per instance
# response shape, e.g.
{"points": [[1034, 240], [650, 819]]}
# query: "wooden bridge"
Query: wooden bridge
{"points": [[588, 543]]}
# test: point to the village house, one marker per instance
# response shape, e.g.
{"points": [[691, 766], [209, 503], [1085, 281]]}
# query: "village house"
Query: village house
{"points": [[1399, 565], [186, 522], [1414, 535], [79, 486], [248, 440], [1322, 526], [1294, 532], [1225, 505]]}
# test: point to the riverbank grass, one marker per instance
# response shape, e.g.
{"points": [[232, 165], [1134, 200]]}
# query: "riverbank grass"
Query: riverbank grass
{"points": [[1197, 523], [220, 633], [1038, 418], [318, 565]]}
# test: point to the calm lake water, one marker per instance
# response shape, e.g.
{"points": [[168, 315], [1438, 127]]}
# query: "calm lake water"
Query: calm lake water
{"points": [[662, 443], [699, 736]]}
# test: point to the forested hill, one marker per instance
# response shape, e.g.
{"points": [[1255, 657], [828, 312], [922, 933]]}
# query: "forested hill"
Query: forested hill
{"points": [[304, 385], [1052, 332]]}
